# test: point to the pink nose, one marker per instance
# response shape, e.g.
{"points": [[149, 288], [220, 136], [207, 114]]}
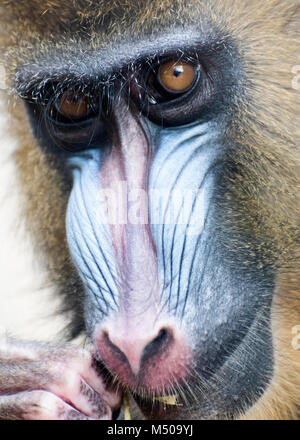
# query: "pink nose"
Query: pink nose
{"points": [[152, 360]]}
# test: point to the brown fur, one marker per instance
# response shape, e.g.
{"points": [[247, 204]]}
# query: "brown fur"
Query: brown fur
{"points": [[266, 127]]}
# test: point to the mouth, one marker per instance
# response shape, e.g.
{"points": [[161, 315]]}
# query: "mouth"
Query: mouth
{"points": [[140, 404]]}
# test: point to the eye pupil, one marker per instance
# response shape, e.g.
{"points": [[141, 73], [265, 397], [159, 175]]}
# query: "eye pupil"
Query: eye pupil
{"points": [[177, 77], [178, 71]]}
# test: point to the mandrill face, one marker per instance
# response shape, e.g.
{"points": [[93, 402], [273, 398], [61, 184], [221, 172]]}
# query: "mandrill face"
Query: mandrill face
{"points": [[168, 305]]}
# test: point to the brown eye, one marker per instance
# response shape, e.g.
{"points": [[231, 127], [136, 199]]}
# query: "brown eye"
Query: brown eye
{"points": [[177, 77], [74, 104]]}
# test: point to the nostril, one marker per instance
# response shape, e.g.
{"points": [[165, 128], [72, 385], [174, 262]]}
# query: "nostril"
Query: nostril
{"points": [[113, 347], [150, 359], [158, 344]]}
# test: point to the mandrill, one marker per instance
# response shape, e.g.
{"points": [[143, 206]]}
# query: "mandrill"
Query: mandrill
{"points": [[159, 161]]}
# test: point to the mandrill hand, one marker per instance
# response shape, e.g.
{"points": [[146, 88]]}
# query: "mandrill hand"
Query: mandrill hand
{"points": [[41, 381]]}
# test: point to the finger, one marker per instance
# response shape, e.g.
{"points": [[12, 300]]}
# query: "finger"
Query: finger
{"points": [[74, 389], [97, 380], [84, 362], [37, 405]]}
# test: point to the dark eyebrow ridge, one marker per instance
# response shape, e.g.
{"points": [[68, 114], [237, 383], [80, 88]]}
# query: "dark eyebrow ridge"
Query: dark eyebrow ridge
{"points": [[99, 66]]}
